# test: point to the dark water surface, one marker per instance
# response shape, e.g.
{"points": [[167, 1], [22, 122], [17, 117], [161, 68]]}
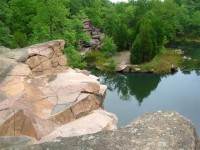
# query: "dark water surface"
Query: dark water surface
{"points": [[131, 95]]}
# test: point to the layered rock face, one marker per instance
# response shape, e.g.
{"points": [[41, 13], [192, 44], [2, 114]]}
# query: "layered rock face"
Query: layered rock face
{"points": [[96, 36], [162, 130], [36, 102], [45, 58]]}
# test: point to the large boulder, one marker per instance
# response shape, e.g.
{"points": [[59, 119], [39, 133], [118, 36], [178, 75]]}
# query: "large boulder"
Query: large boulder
{"points": [[162, 130], [8, 142]]}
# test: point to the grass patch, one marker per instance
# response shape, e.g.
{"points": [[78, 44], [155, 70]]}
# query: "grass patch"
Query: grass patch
{"points": [[97, 59], [191, 48], [197, 40], [162, 63]]}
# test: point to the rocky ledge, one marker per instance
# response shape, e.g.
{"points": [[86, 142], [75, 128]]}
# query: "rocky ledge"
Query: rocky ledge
{"points": [[162, 130], [42, 98]]}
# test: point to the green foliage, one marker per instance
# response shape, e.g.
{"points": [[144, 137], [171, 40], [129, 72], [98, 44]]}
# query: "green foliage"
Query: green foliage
{"points": [[74, 58], [24, 22], [107, 65], [145, 47], [162, 62], [21, 14], [195, 23], [20, 39], [108, 48], [98, 59], [92, 57], [50, 21], [5, 37]]}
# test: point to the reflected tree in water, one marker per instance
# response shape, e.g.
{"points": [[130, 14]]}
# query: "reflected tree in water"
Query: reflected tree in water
{"points": [[198, 72], [141, 85], [127, 85]]}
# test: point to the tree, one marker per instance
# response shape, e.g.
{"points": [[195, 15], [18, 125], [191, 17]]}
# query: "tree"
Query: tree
{"points": [[51, 20], [195, 24], [22, 13], [144, 47], [108, 48], [5, 36]]}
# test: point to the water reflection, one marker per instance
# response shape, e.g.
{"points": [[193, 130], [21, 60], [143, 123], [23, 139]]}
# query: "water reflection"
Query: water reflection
{"points": [[198, 72], [178, 92], [127, 85], [142, 85]]}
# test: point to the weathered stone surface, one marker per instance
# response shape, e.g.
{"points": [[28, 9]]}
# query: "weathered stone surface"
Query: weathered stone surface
{"points": [[120, 67], [96, 40], [7, 142], [6, 65], [13, 83], [96, 121], [46, 49], [103, 89], [4, 49], [83, 71], [38, 94], [19, 55], [40, 105], [161, 130], [33, 62], [44, 58], [62, 60]]}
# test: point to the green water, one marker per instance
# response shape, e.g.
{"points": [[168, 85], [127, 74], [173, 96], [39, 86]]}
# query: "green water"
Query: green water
{"points": [[131, 95]]}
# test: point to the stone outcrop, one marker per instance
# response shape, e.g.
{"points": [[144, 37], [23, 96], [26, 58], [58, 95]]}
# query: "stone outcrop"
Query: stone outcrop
{"points": [[98, 120], [96, 38], [35, 102], [45, 58], [4, 49], [160, 130]]}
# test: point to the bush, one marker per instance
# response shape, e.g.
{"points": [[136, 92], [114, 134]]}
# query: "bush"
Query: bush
{"points": [[107, 65], [98, 60], [92, 57], [144, 47], [108, 48], [20, 39], [75, 59]]}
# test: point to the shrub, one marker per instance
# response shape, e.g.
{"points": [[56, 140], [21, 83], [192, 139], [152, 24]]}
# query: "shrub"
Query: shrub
{"points": [[108, 48], [144, 47], [75, 59], [20, 39]]}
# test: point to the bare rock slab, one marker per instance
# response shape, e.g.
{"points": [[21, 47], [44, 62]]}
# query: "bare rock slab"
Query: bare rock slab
{"points": [[96, 121], [36, 107], [161, 130]]}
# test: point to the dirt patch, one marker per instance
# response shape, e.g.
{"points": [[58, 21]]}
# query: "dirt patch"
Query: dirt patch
{"points": [[123, 57]]}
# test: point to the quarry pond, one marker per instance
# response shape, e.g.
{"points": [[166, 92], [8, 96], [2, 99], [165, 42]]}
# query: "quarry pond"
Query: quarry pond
{"points": [[131, 95]]}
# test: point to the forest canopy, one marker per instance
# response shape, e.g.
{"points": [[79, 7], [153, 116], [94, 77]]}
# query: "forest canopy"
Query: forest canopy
{"points": [[141, 26]]}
